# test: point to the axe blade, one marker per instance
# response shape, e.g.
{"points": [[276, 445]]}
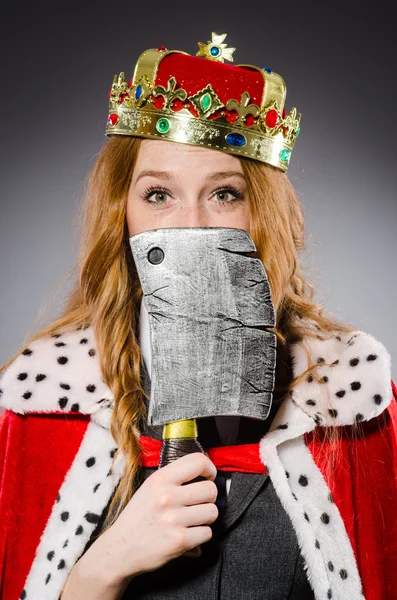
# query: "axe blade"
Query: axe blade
{"points": [[209, 306]]}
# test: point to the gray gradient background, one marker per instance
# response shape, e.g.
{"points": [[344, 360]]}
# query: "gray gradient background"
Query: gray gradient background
{"points": [[58, 62]]}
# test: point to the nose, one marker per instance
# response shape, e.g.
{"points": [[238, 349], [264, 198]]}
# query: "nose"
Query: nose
{"points": [[191, 214]]}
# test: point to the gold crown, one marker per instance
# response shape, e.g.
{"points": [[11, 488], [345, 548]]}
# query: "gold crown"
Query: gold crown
{"points": [[261, 131]]}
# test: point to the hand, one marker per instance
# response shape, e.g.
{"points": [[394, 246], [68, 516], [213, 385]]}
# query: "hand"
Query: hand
{"points": [[165, 517]]}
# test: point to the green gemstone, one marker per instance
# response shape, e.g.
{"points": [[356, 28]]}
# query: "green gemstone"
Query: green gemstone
{"points": [[163, 125], [205, 102], [284, 155], [298, 131]]}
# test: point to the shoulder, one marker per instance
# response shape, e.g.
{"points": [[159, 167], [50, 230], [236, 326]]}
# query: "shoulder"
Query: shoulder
{"points": [[351, 381], [59, 373]]}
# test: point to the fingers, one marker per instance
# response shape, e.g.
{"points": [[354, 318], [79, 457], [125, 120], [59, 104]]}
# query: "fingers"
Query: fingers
{"points": [[201, 514], [189, 467], [197, 493], [195, 536]]}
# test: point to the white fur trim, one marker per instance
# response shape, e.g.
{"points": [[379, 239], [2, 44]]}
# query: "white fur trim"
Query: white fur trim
{"points": [[352, 382], [82, 498], [53, 377]]}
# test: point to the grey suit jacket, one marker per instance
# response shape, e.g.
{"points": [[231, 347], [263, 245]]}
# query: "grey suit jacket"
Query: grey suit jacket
{"points": [[254, 552]]}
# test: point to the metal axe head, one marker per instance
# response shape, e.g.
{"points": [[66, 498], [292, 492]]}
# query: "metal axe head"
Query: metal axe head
{"points": [[209, 305]]}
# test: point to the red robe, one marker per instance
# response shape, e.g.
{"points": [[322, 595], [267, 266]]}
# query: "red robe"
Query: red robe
{"points": [[39, 448]]}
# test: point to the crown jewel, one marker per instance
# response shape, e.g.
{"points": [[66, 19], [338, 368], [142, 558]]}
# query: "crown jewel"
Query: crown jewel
{"points": [[204, 102]]}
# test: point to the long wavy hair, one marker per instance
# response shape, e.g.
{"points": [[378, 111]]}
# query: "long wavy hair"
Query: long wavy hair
{"points": [[106, 293]]}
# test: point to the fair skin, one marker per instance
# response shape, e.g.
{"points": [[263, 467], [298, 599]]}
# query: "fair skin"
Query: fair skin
{"points": [[184, 186]]}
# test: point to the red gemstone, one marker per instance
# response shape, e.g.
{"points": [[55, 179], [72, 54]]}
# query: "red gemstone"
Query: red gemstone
{"points": [[130, 83], [161, 48], [271, 118], [122, 96], [113, 119], [284, 112]]}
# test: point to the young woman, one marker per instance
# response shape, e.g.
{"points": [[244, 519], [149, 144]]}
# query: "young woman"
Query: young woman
{"points": [[299, 506]]}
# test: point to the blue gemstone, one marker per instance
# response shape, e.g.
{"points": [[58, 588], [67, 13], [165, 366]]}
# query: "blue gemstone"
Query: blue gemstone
{"points": [[214, 51], [267, 69], [138, 92], [236, 139]]}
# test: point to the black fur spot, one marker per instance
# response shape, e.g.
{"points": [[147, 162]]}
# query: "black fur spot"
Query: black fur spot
{"points": [[311, 402], [310, 378], [317, 544], [287, 474], [325, 518], [56, 335], [355, 386], [27, 395], [79, 530], [329, 593], [83, 341], [63, 401], [371, 357], [47, 579], [378, 398], [340, 394], [330, 566], [306, 516], [92, 352], [58, 497], [343, 573], [283, 426], [66, 542], [294, 496], [303, 480], [91, 517], [321, 360], [90, 462], [51, 555], [27, 352], [40, 377], [96, 487], [64, 516], [62, 360], [90, 388], [113, 452], [330, 497], [359, 417], [354, 362], [336, 362], [75, 407], [22, 376], [23, 595], [61, 564], [333, 412], [60, 344], [324, 379], [65, 386]]}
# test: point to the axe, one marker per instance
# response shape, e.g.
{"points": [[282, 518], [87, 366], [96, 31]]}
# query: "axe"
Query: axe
{"points": [[209, 306]]}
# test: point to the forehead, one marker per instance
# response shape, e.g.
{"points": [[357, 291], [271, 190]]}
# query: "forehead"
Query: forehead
{"points": [[165, 155]]}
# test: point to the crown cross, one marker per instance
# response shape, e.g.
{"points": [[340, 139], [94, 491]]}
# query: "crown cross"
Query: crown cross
{"points": [[243, 108], [170, 94]]}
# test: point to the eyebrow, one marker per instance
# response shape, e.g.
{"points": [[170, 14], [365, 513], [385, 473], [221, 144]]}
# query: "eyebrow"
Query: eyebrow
{"points": [[168, 175]]}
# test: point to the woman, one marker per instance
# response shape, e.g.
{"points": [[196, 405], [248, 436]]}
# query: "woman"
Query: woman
{"points": [[310, 512]]}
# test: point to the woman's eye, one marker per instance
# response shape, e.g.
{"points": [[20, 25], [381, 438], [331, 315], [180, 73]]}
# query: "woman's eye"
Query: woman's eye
{"points": [[227, 195], [155, 196], [159, 196], [222, 196]]}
